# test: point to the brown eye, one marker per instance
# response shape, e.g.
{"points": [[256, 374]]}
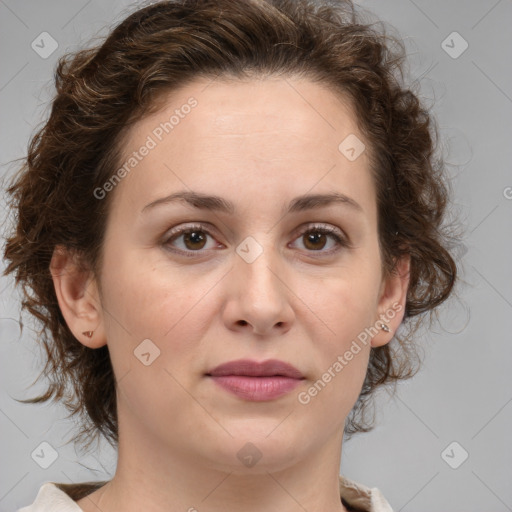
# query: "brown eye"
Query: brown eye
{"points": [[189, 240], [194, 239], [316, 239]]}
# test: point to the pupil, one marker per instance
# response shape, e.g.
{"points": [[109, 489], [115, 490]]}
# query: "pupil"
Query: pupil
{"points": [[195, 237], [314, 238]]}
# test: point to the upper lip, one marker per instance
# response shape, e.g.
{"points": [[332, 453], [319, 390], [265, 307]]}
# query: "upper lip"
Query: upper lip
{"points": [[247, 367]]}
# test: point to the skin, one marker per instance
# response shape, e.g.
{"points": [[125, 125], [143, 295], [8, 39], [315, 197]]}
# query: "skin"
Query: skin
{"points": [[258, 143]]}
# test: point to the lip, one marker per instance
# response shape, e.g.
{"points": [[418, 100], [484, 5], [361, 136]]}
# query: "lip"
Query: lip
{"points": [[256, 381]]}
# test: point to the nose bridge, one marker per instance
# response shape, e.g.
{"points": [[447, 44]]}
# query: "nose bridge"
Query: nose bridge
{"points": [[257, 264], [261, 295]]}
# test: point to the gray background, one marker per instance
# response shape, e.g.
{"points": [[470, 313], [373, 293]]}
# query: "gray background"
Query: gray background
{"points": [[463, 392]]}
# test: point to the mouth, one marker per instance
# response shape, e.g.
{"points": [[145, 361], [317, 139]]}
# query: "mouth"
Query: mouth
{"points": [[256, 381]]}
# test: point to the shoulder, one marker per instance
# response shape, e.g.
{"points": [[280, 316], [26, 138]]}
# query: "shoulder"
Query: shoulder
{"points": [[57, 497], [357, 497]]}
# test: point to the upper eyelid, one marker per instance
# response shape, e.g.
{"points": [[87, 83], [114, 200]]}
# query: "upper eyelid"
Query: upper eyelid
{"points": [[210, 230]]}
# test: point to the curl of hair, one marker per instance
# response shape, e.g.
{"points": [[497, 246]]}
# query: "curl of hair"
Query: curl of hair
{"points": [[103, 90]]}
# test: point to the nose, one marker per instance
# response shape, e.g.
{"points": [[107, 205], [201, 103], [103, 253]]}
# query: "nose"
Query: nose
{"points": [[258, 299]]}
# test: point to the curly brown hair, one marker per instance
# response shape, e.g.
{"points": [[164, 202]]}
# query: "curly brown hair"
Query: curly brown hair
{"points": [[103, 90]]}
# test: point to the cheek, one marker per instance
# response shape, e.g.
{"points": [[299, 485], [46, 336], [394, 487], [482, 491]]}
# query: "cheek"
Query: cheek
{"points": [[150, 299], [333, 395], [158, 302], [150, 333], [345, 304], [341, 348], [346, 308]]}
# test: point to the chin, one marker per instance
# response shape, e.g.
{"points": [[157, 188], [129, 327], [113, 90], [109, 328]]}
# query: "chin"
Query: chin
{"points": [[257, 446]]}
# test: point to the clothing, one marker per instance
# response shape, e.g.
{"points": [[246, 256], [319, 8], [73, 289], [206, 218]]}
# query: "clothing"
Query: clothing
{"points": [[357, 496]]}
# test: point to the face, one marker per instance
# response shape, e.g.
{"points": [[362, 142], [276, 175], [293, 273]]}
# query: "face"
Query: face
{"points": [[269, 275]]}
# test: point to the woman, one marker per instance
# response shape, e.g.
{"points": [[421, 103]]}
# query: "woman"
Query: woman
{"points": [[230, 212]]}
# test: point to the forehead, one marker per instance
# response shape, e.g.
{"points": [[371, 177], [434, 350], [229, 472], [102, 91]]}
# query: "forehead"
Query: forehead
{"points": [[285, 104], [245, 135]]}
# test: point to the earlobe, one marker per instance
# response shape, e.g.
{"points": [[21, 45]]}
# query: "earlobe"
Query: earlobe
{"points": [[78, 297], [392, 302]]}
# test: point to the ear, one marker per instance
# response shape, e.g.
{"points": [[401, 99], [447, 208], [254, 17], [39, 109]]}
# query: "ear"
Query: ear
{"points": [[78, 297], [392, 298]]}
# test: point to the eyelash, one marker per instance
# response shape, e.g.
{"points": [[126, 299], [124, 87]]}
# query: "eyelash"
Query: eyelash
{"points": [[333, 232]]}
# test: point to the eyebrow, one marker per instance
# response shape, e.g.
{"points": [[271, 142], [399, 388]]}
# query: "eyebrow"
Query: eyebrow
{"points": [[216, 203]]}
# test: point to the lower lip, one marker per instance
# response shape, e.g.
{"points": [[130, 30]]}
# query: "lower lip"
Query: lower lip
{"points": [[257, 389]]}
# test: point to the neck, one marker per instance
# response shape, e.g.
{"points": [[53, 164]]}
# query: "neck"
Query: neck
{"points": [[153, 477]]}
